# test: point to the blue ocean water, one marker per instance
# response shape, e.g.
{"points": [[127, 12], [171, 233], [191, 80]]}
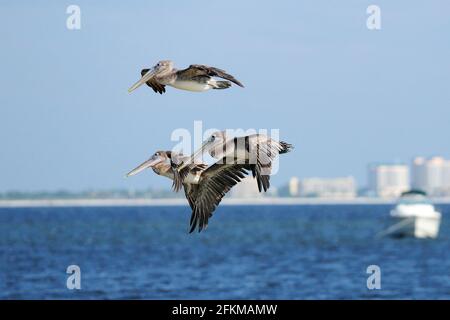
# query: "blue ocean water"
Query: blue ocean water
{"points": [[247, 252]]}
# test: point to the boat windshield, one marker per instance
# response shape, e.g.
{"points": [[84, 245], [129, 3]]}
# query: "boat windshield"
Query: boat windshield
{"points": [[414, 200]]}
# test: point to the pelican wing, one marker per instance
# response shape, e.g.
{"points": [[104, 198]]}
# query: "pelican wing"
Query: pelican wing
{"points": [[264, 149], [260, 151], [198, 71], [152, 83], [190, 190], [178, 178], [180, 175], [216, 181], [259, 171], [262, 180]]}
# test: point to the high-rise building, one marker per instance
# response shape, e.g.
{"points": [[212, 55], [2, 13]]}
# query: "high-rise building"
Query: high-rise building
{"points": [[293, 187], [431, 175], [388, 180], [446, 179], [327, 187], [419, 174]]}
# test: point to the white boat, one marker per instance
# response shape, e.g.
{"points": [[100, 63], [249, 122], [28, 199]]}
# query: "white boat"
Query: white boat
{"points": [[414, 216]]}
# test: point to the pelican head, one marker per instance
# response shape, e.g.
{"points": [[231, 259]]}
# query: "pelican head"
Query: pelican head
{"points": [[158, 159], [163, 67], [212, 145]]}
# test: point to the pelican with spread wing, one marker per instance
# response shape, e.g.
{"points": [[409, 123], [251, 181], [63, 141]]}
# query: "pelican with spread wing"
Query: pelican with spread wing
{"points": [[196, 78], [257, 150], [204, 186]]}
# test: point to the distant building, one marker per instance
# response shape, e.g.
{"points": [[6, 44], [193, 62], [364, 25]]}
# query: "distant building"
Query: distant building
{"points": [[247, 188], [293, 187], [431, 175], [388, 180], [419, 174], [327, 187]]}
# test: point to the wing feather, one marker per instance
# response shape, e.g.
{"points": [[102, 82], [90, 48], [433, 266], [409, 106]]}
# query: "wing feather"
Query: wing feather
{"points": [[152, 83], [199, 70], [263, 151], [190, 190], [216, 181]]}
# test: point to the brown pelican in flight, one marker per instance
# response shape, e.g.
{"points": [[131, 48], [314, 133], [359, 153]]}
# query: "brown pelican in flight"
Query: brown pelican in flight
{"points": [[258, 150], [195, 78], [204, 186]]}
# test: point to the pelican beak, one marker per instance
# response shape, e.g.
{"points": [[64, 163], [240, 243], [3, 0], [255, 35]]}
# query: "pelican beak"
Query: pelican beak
{"points": [[150, 74], [204, 148], [147, 164], [196, 154]]}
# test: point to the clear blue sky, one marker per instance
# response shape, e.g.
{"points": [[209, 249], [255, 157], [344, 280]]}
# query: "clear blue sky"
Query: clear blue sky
{"points": [[342, 94]]}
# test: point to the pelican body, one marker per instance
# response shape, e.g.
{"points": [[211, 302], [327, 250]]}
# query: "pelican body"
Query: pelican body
{"points": [[204, 186], [196, 78]]}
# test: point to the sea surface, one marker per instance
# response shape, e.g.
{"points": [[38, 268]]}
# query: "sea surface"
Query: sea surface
{"points": [[247, 252]]}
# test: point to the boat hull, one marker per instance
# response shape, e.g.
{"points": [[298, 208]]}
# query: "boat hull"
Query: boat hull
{"points": [[417, 227]]}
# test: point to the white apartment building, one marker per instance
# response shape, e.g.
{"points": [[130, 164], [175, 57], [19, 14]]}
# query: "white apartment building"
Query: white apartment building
{"points": [[327, 187], [388, 180], [431, 175], [293, 187]]}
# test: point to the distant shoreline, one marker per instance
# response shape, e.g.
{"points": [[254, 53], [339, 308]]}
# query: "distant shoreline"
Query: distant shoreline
{"points": [[180, 202]]}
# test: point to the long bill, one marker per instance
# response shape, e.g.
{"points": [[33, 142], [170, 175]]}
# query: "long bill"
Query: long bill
{"points": [[147, 164], [195, 155], [150, 74]]}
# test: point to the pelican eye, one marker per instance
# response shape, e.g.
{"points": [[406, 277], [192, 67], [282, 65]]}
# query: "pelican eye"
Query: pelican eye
{"points": [[212, 138]]}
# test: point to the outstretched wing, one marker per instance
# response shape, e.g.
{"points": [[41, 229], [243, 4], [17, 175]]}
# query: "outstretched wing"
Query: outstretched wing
{"points": [[216, 181], [152, 83], [190, 190], [259, 171], [198, 71], [262, 180], [263, 151]]}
